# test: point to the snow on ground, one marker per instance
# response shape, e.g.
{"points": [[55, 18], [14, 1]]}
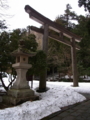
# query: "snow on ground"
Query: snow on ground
{"points": [[83, 86], [59, 95]]}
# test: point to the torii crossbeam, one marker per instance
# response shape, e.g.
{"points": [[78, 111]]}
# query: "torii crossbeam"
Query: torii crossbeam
{"points": [[48, 24]]}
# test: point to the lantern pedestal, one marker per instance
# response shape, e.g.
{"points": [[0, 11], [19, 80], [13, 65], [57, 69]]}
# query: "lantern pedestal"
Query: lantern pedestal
{"points": [[20, 91]]}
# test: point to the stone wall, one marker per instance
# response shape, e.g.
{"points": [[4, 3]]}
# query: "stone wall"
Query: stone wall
{"points": [[39, 38]]}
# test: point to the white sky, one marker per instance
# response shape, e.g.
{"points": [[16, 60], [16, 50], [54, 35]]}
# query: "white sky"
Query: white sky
{"points": [[49, 8]]}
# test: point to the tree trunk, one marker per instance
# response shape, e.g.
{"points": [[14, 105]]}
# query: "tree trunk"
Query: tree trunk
{"points": [[53, 73], [42, 83], [6, 88]]}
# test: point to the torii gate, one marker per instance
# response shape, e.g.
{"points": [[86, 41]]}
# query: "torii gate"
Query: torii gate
{"points": [[48, 24]]}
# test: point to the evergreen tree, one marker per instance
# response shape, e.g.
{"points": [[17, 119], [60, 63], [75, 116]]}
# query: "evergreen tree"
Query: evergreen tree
{"points": [[66, 20], [81, 29], [59, 55], [85, 3], [9, 43]]}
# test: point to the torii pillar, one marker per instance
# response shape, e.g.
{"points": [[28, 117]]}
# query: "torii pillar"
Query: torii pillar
{"points": [[45, 38], [42, 83], [74, 63]]}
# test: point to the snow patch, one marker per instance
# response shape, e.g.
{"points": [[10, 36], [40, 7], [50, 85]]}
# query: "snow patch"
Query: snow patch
{"points": [[51, 101]]}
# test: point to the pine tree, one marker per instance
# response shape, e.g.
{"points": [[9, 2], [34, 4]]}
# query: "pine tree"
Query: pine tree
{"points": [[85, 3]]}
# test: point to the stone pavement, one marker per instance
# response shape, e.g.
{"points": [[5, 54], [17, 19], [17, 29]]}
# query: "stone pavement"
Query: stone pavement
{"points": [[79, 111]]}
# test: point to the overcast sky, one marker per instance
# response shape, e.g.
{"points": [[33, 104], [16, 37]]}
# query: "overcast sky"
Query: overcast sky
{"points": [[49, 8]]}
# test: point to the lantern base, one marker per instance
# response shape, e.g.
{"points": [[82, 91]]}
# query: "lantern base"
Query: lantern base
{"points": [[15, 97]]}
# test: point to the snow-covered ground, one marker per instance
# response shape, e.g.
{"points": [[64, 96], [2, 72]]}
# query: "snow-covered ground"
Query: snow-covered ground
{"points": [[59, 95]]}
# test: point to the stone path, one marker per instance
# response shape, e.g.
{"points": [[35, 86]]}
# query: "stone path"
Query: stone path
{"points": [[79, 111]]}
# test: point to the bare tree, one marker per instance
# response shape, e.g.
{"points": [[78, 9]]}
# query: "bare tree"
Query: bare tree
{"points": [[3, 8]]}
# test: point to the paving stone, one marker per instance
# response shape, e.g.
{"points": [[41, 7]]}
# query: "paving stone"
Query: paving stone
{"points": [[69, 118], [88, 111], [78, 112], [86, 114], [63, 114], [88, 118], [77, 108], [75, 114], [70, 110], [81, 117], [83, 108], [56, 118]]}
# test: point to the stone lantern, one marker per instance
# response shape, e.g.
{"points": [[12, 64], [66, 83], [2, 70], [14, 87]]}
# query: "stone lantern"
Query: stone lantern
{"points": [[20, 91]]}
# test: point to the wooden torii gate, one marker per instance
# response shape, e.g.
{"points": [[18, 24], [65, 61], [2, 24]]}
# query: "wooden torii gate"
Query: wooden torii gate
{"points": [[48, 24]]}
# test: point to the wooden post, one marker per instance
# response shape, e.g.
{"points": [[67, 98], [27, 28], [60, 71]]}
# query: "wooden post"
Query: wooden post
{"points": [[42, 83], [74, 63]]}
